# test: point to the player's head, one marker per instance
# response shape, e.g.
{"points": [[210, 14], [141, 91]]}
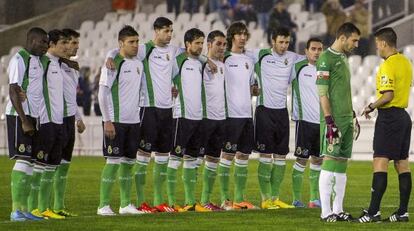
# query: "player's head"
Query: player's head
{"points": [[163, 30], [37, 41], [281, 40], [314, 48], [237, 36], [128, 40], [216, 43], [73, 41], [385, 39], [194, 40], [348, 36], [58, 43]]}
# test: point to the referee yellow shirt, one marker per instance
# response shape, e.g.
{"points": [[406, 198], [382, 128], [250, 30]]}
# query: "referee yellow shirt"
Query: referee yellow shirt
{"points": [[395, 74]]}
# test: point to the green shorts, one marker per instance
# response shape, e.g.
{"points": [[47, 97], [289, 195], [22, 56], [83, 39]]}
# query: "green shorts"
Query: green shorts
{"points": [[344, 148]]}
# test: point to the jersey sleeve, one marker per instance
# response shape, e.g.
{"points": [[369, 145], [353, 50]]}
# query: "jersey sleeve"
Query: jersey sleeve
{"points": [[107, 77], [322, 71], [293, 73], [253, 54], [387, 79], [175, 69], [112, 53], [16, 70]]}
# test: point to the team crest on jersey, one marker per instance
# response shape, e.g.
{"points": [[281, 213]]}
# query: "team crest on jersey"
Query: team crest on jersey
{"points": [[247, 66], [286, 62], [138, 71], [330, 148], [228, 146], [323, 64], [168, 57], [298, 151], [109, 149], [22, 148], [40, 155], [178, 149], [221, 70]]}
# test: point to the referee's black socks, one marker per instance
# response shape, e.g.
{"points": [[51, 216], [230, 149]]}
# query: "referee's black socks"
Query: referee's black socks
{"points": [[405, 191], [379, 185]]}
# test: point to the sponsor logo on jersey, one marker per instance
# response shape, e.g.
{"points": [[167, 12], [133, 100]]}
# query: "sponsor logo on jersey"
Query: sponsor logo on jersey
{"points": [[323, 64], [233, 65]]}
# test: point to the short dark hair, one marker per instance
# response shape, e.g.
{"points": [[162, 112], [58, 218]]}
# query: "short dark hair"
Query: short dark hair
{"points": [[126, 31], [212, 35], [162, 22], [308, 43], [193, 34], [280, 31], [347, 29], [34, 32], [235, 28], [71, 33], [56, 35], [388, 35]]}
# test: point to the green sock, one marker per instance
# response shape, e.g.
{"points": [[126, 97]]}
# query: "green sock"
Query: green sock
{"points": [[278, 173], [314, 172], [171, 185], [209, 176], [223, 172], [26, 190], [60, 186], [140, 177], [32, 200], [108, 177], [160, 173], [125, 182], [297, 179], [45, 191], [189, 180], [240, 179], [264, 172], [18, 183]]}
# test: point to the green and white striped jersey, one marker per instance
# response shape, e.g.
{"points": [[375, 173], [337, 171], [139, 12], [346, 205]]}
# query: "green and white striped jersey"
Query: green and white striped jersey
{"points": [[70, 84], [26, 70], [213, 95], [305, 103], [124, 84]]}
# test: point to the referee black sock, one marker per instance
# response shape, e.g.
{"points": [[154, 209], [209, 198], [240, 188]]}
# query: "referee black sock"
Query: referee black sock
{"points": [[405, 191], [379, 184]]}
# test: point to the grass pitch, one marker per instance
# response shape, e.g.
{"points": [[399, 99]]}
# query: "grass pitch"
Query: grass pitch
{"points": [[82, 197]]}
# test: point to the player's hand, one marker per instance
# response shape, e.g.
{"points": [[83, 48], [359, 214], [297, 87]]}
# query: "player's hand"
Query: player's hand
{"points": [[70, 63], [110, 64], [357, 128], [27, 127], [212, 66], [174, 92], [80, 126], [332, 132], [255, 90], [109, 130], [22, 96], [367, 110]]}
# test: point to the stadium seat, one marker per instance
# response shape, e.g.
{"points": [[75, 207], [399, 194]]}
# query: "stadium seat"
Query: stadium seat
{"points": [[354, 62], [161, 9], [183, 17], [125, 18], [294, 8], [87, 26], [140, 18], [111, 17], [198, 17]]}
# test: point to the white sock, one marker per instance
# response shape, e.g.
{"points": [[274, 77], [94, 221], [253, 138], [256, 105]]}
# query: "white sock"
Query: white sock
{"points": [[325, 190], [339, 192]]}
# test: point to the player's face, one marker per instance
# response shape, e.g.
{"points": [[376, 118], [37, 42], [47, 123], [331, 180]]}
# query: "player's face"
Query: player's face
{"points": [[61, 47], [73, 46], [164, 35], [218, 46], [380, 45], [281, 44], [314, 50], [240, 39], [195, 47], [129, 46], [40, 45], [351, 42]]}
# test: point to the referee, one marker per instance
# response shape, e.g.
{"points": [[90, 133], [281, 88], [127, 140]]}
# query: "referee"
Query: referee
{"points": [[392, 128]]}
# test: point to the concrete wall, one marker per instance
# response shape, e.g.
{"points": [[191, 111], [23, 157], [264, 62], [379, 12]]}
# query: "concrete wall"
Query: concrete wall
{"points": [[71, 15]]}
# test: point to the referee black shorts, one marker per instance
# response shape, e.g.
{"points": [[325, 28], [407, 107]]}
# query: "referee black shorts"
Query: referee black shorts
{"points": [[307, 139], [68, 137], [392, 134], [272, 130], [20, 145]]}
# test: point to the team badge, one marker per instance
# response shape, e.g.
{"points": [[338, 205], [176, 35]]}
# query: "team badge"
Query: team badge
{"points": [[298, 151], [221, 70], [330, 148], [116, 150], [261, 147], [168, 57], [109, 149], [286, 62], [138, 71], [228, 146], [178, 149], [29, 148], [142, 144], [202, 151], [234, 147], [148, 146], [247, 66], [384, 80], [40, 155], [22, 148]]}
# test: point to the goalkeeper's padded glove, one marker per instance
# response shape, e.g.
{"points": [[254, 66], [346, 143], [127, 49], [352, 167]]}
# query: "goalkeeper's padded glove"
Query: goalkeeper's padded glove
{"points": [[332, 132], [357, 128]]}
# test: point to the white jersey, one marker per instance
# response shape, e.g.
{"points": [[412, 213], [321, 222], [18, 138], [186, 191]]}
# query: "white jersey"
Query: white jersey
{"points": [[51, 106], [239, 76], [30, 83], [70, 84], [213, 95], [188, 81], [124, 84], [156, 87], [305, 93], [273, 71]]}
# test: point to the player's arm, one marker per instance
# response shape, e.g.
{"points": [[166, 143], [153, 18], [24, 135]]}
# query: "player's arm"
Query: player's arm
{"points": [[109, 59], [103, 93], [79, 122]]}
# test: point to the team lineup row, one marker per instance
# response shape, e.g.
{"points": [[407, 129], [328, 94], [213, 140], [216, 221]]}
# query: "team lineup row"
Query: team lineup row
{"points": [[206, 116]]}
